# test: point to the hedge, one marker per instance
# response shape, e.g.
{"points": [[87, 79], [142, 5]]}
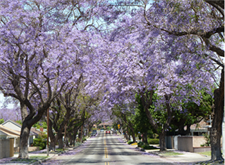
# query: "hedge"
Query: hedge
{"points": [[153, 141]]}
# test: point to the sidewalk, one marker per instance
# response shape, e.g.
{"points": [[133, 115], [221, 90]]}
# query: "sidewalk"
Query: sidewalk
{"points": [[184, 157], [38, 154]]}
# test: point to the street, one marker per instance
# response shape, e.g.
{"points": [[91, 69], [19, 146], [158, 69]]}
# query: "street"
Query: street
{"points": [[108, 149]]}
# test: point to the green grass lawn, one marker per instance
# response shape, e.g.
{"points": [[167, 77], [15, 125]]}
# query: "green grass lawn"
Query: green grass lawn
{"points": [[170, 153], [207, 153], [59, 149], [38, 157]]}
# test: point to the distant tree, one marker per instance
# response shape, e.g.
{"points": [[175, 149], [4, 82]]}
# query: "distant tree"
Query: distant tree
{"points": [[1, 121]]}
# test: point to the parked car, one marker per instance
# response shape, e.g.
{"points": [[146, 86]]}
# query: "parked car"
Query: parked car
{"points": [[102, 130], [107, 132]]}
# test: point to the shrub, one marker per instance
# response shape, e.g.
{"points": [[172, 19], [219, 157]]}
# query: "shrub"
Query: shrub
{"points": [[207, 138], [140, 144], [130, 142], [202, 145], [146, 146], [41, 141], [83, 139], [153, 141]]}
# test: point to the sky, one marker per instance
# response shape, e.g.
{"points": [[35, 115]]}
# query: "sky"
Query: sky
{"points": [[2, 99]]}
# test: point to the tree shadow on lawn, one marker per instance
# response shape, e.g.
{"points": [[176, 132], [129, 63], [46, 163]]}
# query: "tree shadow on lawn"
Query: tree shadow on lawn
{"points": [[210, 162]]}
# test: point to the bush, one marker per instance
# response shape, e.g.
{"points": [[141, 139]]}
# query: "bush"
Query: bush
{"points": [[140, 144], [146, 146], [202, 145], [83, 139], [130, 142], [153, 141], [207, 138], [41, 141]]}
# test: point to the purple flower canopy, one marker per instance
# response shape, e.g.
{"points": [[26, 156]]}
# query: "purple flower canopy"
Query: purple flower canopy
{"points": [[10, 114]]}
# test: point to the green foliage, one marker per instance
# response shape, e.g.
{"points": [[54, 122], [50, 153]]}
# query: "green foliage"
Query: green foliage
{"points": [[146, 146], [40, 124], [40, 141], [141, 121], [170, 153], [130, 142], [153, 141], [207, 138], [1, 121], [84, 139], [140, 144], [19, 121]]}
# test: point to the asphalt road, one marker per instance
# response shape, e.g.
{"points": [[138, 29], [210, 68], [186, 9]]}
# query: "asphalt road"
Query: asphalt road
{"points": [[107, 149]]}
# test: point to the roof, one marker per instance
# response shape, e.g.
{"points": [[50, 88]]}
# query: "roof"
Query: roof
{"points": [[35, 131], [19, 125], [201, 125], [9, 132], [106, 123]]}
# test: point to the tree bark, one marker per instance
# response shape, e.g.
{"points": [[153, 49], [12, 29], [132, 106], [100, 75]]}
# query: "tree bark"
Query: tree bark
{"points": [[216, 130], [162, 142], [81, 133], [125, 134], [52, 136], [24, 135], [144, 138], [133, 136], [60, 141]]}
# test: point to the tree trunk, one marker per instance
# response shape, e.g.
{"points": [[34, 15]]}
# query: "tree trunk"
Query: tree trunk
{"points": [[24, 135], [60, 141], [52, 137], [71, 140], [133, 136], [125, 134], [144, 138], [162, 142], [52, 145], [216, 130], [81, 133]]}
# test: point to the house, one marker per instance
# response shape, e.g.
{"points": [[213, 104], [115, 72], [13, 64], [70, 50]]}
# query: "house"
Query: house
{"points": [[8, 138], [17, 127], [199, 129], [105, 125], [191, 142], [6, 133]]}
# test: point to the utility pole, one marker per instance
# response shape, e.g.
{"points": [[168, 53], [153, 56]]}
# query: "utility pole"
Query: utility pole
{"points": [[48, 127], [47, 131]]}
